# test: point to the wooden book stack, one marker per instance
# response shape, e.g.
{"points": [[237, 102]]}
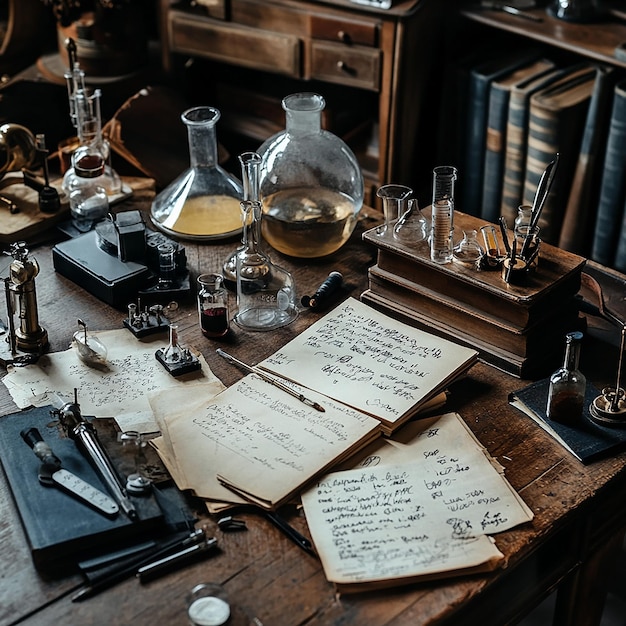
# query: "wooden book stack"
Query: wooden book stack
{"points": [[517, 328]]}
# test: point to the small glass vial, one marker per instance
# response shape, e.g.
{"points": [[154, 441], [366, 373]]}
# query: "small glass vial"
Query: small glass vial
{"points": [[468, 251], [213, 305], [89, 202], [167, 265], [566, 395], [442, 229], [208, 605], [524, 214]]}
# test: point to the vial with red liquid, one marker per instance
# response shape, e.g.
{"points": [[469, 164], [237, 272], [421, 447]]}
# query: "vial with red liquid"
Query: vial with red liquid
{"points": [[213, 305]]}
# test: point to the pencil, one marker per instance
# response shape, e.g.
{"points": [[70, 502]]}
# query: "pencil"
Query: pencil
{"points": [[271, 380]]}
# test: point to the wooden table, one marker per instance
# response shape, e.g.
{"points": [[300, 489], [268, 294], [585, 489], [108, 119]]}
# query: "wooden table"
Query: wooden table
{"points": [[579, 511]]}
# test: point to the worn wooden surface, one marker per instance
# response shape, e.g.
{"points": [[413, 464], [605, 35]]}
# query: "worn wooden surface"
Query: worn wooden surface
{"points": [[576, 508]]}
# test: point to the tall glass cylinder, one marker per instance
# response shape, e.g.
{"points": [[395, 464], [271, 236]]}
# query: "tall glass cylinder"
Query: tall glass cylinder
{"points": [[444, 178], [250, 163], [203, 202]]}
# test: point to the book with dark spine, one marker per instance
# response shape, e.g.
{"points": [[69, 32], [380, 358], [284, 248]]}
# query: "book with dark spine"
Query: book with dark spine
{"points": [[556, 124], [517, 141], [577, 231], [609, 220], [481, 77], [496, 135]]}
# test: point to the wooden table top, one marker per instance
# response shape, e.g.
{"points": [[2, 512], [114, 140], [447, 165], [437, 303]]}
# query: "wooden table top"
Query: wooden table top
{"points": [[270, 578]]}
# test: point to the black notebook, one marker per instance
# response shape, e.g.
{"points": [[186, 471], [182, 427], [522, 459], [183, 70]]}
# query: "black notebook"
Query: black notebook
{"points": [[587, 440], [57, 524]]}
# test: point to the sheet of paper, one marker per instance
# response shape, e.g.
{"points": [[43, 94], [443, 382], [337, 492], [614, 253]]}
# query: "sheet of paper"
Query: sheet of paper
{"points": [[410, 508], [457, 445], [369, 361], [261, 440], [120, 391]]}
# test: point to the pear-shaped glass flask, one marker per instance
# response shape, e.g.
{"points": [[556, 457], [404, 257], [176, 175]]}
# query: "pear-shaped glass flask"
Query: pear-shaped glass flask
{"points": [[266, 293], [203, 202], [311, 186]]}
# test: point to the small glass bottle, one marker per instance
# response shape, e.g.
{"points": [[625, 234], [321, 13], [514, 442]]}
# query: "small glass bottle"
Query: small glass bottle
{"points": [[167, 265], [566, 395], [468, 251], [524, 213], [212, 305], [88, 199], [441, 232]]}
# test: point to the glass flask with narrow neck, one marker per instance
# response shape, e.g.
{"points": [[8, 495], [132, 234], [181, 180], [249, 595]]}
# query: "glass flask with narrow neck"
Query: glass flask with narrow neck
{"points": [[566, 394], [250, 164], [203, 202], [311, 185], [266, 293]]}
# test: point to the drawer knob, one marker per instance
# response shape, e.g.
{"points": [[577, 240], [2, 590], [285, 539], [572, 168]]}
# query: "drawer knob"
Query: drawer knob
{"points": [[342, 35], [342, 66]]}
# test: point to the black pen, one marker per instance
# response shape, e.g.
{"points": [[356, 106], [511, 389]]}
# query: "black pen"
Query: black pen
{"points": [[168, 563], [290, 532], [130, 569]]}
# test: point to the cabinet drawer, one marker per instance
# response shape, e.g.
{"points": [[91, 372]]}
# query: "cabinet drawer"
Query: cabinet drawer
{"points": [[337, 63], [343, 30], [239, 45]]}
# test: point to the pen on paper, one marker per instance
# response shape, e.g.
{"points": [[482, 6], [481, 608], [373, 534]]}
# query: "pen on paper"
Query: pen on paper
{"points": [[270, 380]]}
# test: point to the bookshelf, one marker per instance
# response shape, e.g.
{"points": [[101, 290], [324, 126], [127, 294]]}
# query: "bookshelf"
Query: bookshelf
{"points": [[596, 41], [590, 205]]}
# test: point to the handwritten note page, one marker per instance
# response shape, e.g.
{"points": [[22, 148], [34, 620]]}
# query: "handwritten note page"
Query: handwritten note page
{"points": [[371, 362], [262, 442], [121, 390], [424, 515]]}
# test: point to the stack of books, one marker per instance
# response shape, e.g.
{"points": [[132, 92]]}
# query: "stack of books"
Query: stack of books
{"points": [[517, 328]]}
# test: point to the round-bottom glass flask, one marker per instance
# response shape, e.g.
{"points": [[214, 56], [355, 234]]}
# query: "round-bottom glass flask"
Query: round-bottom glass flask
{"points": [[310, 183], [203, 202]]}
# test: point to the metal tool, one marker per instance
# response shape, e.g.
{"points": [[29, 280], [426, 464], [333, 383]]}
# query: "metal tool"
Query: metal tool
{"points": [[51, 473], [22, 301], [85, 436]]}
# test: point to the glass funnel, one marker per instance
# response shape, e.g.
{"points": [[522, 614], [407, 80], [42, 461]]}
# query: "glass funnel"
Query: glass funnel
{"points": [[412, 226], [266, 293], [203, 202], [250, 164], [311, 185]]}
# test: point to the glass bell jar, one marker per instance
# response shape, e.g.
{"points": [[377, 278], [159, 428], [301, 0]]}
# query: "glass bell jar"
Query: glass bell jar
{"points": [[203, 202], [310, 183]]}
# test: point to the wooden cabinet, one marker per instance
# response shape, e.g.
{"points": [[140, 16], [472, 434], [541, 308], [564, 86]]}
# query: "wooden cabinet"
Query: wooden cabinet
{"points": [[372, 66]]}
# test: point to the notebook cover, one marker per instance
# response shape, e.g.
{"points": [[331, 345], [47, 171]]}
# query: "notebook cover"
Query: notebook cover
{"points": [[586, 440], [56, 523]]}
